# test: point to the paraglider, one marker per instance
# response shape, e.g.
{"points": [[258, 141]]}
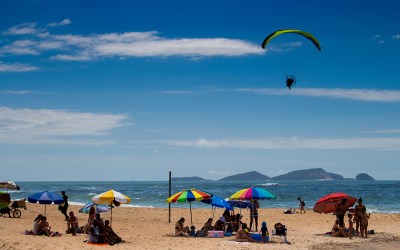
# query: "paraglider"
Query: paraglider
{"points": [[290, 79], [300, 32]]}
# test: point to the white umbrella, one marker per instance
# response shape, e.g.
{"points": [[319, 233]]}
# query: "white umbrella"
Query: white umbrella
{"points": [[111, 197]]}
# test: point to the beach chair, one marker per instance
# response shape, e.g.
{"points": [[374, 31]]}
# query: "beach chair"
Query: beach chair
{"points": [[279, 230]]}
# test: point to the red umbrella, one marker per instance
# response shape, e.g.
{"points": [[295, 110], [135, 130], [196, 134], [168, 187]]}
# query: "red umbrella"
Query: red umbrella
{"points": [[327, 204]]}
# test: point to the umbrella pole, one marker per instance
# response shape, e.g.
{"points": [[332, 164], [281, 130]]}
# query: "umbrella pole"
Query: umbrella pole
{"points": [[213, 208], [111, 218], [45, 209], [191, 223]]}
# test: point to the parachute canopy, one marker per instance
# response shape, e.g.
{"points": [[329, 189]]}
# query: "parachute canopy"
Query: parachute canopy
{"points": [[300, 32]]}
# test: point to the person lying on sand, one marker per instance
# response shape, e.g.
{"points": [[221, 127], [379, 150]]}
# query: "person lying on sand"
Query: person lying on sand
{"points": [[242, 235]]}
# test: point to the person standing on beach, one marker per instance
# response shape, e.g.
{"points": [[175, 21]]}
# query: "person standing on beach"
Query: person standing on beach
{"points": [[341, 210], [64, 206], [302, 204], [359, 211], [254, 214]]}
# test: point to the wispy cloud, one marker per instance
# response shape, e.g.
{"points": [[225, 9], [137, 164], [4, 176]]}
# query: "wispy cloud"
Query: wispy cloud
{"points": [[283, 47], [392, 143], [17, 92], [22, 29], [384, 131], [62, 23], [16, 67], [72, 47], [177, 92], [367, 95], [397, 37], [378, 38], [55, 126]]}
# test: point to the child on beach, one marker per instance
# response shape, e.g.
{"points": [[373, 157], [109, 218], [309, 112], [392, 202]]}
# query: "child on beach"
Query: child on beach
{"points": [[350, 229], [264, 232]]}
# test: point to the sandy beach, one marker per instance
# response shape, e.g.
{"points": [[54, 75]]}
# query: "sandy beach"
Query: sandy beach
{"points": [[148, 228]]}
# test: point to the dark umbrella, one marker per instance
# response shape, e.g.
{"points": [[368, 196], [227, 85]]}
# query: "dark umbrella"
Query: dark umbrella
{"points": [[45, 198]]}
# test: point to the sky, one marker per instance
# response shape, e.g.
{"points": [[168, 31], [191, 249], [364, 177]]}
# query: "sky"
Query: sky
{"points": [[130, 90]]}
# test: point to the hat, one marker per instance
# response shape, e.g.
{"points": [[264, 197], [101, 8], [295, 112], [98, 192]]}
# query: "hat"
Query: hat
{"points": [[222, 219], [264, 224]]}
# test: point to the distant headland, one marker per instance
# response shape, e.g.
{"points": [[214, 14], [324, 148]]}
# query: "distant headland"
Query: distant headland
{"points": [[305, 174]]}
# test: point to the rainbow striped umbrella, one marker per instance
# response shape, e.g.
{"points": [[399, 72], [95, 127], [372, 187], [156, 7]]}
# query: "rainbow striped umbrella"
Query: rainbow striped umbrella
{"points": [[252, 194], [189, 195]]}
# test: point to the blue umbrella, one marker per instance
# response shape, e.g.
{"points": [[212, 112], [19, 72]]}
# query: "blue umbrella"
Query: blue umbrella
{"points": [[45, 198], [99, 208], [216, 201], [239, 203]]}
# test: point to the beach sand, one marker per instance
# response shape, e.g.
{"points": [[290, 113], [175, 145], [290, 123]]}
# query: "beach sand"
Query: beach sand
{"points": [[148, 228]]}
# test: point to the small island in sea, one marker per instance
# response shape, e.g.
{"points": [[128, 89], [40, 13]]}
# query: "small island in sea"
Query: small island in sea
{"points": [[297, 175]]}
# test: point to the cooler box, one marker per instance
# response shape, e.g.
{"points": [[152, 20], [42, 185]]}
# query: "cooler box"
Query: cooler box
{"points": [[257, 237], [215, 234]]}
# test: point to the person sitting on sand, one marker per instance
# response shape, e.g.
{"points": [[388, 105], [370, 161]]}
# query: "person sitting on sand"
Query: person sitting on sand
{"points": [[43, 227], [180, 229], [94, 233], [220, 224], [91, 218], [339, 231], [110, 234], [207, 226], [350, 229], [73, 224], [242, 235], [36, 222]]}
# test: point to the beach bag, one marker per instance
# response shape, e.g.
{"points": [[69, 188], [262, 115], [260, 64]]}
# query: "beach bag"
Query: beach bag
{"points": [[61, 206], [280, 229]]}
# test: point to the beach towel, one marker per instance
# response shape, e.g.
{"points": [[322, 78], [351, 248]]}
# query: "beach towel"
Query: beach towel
{"points": [[98, 244], [29, 232]]}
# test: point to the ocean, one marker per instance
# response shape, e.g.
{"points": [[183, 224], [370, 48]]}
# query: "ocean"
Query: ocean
{"points": [[378, 196]]}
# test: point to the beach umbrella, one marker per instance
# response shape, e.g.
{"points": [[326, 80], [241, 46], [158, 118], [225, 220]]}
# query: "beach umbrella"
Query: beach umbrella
{"points": [[328, 203], [45, 198], [99, 208], [111, 198], [239, 203], [189, 195], [9, 185], [217, 201], [252, 193]]}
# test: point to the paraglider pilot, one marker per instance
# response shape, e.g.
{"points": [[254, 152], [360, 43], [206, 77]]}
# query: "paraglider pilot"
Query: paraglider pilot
{"points": [[290, 80]]}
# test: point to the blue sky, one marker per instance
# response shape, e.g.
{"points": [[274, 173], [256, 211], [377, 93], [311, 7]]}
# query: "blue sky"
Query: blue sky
{"points": [[94, 90]]}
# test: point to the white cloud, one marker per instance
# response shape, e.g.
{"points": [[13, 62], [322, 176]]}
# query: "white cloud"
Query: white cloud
{"points": [[397, 37], [367, 95], [54, 126], [16, 67], [73, 47], [385, 131], [177, 92], [62, 23], [22, 29], [284, 47], [376, 36], [381, 42], [17, 92], [294, 143]]}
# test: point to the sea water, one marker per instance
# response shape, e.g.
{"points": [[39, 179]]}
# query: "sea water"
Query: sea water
{"points": [[378, 196]]}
